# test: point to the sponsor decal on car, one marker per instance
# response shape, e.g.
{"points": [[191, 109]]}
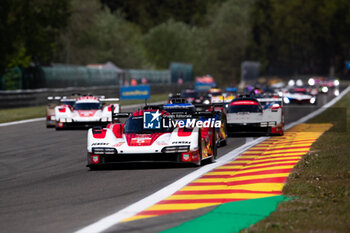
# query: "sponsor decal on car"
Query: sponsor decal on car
{"points": [[100, 144], [118, 144]]}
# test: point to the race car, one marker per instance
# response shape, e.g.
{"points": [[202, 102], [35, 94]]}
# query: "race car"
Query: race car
{"points": [[179, 106], [87, 111], [151, 135], [52, 102], [250, 115], [299, 96], [215, 95], [191, 96]]}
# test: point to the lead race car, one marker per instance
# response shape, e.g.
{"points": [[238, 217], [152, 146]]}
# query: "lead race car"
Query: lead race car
{"points": [[87, 111], [155, 135], [252, 115]]}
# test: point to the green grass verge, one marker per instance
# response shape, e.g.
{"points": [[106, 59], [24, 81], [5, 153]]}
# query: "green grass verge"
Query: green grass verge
{"points": [[16, 114], [321, 181]]}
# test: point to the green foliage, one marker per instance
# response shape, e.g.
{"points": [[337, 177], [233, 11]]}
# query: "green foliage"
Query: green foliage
{"points": [[149, 14], [293, 36], [217, 49], [96, 35], [28, 29], [301, 36], [168, 42], [227, 38]]}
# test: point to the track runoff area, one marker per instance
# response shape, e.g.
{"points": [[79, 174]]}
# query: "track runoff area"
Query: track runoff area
{"points": [[245, 185]]}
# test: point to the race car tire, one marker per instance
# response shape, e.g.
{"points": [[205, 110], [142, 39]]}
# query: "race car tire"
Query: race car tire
{"points": [[94, 167], [223, 142], [200, 150], [214, 147]]}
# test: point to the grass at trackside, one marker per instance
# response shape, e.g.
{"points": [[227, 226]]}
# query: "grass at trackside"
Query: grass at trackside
{"points": [[321, 183], [16, 114]]}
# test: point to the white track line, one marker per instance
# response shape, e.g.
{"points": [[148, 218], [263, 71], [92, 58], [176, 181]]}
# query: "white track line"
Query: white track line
{"points": [[22, 122], [165, 192]]}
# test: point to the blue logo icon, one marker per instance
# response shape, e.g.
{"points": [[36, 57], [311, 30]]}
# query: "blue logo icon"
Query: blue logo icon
{"points": [[151, 120]]}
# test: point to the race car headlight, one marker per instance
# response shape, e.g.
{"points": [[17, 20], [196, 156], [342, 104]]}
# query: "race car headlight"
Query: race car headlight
{"points": [[69, 119], [336, 92], [313, 100], [291, 83], [299, 82], [104, 151], [206, 102], [272, 123], [104, 119], [286, 100], [336, 83], [324, 89], [53, 118], [175, 149], [63, 120], [263, 124], [311, 82]]}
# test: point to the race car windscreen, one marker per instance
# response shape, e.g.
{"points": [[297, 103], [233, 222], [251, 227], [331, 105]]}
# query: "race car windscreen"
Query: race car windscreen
{"points": [[70, 103], [243, 108], [135, 125], [87, 106]]}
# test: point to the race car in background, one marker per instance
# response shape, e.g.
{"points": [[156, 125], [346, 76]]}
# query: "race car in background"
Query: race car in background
{"points": [[215, 95], [299, 96], [87, 111], [191, 96], [144, 137], [52, 102], [250, 115], [325, 85]]}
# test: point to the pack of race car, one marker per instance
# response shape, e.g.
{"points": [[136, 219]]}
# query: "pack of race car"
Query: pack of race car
{"points": [[185, 130]]}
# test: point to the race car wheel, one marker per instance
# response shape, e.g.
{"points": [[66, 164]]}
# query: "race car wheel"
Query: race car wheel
{"points": [[223, 141], [201, 145]]}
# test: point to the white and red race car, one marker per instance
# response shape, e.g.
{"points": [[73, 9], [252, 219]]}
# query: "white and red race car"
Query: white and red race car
{"points": [[150, 135], [87, 111], [251, 115]]}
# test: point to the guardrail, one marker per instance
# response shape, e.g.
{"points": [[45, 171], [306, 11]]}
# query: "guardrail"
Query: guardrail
{"points": [[23, 98]]}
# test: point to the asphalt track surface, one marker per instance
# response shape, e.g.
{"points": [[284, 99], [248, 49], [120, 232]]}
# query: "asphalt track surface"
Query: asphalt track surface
{"points": [[46, 187]]}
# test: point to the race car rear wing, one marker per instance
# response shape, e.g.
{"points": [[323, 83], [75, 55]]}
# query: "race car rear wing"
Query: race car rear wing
{"points": [[109, 99], [51, 99]]}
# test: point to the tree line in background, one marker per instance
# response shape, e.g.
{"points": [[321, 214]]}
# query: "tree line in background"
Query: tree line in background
{"points": [[287, 37]]}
